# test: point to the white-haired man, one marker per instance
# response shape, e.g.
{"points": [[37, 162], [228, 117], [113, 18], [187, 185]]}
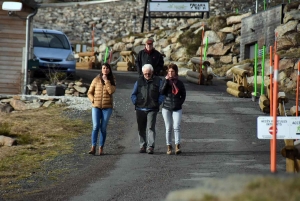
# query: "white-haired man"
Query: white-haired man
{"points": [[147, 98]]}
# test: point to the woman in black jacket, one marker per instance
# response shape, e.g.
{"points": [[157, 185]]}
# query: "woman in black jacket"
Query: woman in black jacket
{"points": [[175, 93]]}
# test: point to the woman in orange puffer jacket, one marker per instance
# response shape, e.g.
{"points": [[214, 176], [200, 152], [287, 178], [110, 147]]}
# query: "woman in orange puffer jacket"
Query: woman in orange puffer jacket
{"points": [[101, 95]]}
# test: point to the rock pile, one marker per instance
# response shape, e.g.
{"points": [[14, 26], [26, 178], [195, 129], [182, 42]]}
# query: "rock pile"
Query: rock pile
{"points": [[71, 88], [10, 103]]}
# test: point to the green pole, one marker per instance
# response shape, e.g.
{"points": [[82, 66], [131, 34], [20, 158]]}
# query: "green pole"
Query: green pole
{"points": [[106, 53], [205, 50], [264, 4], [237, 11], [263, 71], [255, 69]]}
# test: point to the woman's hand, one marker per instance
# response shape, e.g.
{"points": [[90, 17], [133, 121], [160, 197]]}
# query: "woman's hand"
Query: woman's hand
{"points": [[167, 77], [104, 77]]}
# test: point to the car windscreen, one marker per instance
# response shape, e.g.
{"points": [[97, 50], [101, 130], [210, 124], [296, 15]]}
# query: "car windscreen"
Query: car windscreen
{"points": [[50, 40]]}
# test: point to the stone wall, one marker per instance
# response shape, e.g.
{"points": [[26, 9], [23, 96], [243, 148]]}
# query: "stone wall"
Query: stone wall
{"points": [[114, 20], [259, 29]]}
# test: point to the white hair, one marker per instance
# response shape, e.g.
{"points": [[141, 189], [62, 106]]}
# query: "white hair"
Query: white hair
{"points": [[147, 66]]}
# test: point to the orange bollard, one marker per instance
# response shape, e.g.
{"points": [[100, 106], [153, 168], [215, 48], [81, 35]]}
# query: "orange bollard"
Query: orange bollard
{"points": [[275, 97], [271, 89], [297, 94], [271, 80], [200, 64], [275, 43]]}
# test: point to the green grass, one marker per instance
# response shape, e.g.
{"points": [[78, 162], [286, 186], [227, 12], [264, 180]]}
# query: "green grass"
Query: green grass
{"points": [[41, 134], [191, 41], [5, 129]]}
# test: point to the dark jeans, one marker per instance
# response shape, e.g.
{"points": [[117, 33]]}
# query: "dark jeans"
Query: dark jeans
{"points": [[146, 121]]}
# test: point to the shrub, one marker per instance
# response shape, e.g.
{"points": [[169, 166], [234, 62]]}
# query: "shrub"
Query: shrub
{"points": [[191, 41]]}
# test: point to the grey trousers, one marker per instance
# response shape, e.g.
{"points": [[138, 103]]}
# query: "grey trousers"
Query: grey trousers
{"points": [[146, 121]]}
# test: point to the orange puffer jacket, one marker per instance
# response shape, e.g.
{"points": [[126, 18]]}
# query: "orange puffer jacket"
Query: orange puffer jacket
{"points": [[101, 95]]}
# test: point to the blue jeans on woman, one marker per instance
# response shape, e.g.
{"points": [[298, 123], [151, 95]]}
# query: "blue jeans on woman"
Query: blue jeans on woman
{"points": [[100, 119], [172, 119]]}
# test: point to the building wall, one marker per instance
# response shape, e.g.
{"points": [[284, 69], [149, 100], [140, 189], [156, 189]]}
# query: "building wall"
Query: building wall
{"points": [[260, 29], [12, 42]]}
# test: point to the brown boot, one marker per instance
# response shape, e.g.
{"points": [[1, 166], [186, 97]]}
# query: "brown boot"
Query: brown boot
{"points": [[169, 152], [177, 150], [93, 150], [101, 151]]}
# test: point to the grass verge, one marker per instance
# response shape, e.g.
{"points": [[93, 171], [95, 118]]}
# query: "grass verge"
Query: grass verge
{"points": [[41, 135]]}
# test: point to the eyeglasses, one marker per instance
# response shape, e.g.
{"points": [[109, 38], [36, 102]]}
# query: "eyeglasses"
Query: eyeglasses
{"points": [[147, 73]]}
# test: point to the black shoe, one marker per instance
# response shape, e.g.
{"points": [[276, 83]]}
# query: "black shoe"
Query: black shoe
{"points": [[142, 150], [150, 150]]}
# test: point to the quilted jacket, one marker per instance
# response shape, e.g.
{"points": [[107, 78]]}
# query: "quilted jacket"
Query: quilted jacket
{"points": [[101, 95]]}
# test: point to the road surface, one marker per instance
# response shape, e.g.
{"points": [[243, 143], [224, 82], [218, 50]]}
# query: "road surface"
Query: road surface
{"points": [[218, 140]]}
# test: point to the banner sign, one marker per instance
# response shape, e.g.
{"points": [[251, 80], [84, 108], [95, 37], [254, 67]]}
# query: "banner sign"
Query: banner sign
{"points": [[287, 128], [179, 6]]}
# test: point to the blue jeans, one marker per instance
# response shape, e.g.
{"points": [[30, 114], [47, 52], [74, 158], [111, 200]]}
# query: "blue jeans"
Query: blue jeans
{"points": [[100, 119], [172, 119]]}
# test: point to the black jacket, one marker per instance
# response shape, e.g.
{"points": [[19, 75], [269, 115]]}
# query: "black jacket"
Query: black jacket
{"points": [[155, 59], [148, 93], [173, 102]]}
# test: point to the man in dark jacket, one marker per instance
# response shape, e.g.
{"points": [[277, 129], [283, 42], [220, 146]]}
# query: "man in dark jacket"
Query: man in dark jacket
{"points": [[147, 98], [150, 56]]}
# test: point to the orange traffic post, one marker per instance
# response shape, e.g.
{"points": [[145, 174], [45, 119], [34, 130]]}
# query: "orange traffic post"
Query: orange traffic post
{"points": [[201, 48], [275, 43], [271, 89], [275, 97], [271, 80], [297, 94]]}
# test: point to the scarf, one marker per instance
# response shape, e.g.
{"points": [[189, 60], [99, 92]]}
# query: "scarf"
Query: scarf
{"points": [[173, 82], [148, 52]]}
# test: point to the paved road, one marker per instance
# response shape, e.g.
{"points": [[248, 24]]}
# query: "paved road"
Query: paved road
{"points": [[218, 139]]}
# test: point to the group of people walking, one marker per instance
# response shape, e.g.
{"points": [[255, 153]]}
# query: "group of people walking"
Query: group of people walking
{"points": [[149, 92]]}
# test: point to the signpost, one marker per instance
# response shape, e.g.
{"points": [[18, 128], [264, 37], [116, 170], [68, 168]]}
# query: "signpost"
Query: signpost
{"points": [[287, 127], [174, 6]]}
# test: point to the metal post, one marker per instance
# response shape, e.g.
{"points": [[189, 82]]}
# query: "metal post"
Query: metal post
{"points": [[28, 18], [134, 23], [256, 5], [149, 19], [144, 16]]}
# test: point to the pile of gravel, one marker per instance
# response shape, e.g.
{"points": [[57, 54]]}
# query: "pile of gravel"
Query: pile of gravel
{"points": [[78, 103]]}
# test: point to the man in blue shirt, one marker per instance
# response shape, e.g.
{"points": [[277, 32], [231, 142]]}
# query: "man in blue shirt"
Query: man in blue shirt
{"points": [[147, 98]]}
